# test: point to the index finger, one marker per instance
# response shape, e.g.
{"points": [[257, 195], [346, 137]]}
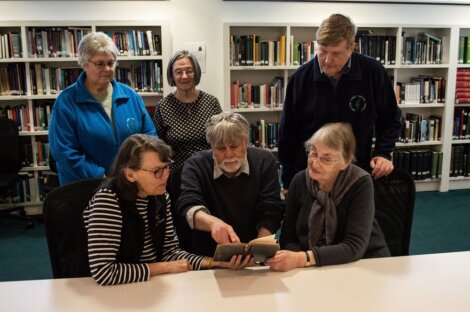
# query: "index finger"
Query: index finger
{"points": [[233, 236]]}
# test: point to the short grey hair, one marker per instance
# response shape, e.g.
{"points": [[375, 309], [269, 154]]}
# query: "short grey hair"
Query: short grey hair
{"points": [[338, 136], [178, 56], [95, 43], [227, 128]]}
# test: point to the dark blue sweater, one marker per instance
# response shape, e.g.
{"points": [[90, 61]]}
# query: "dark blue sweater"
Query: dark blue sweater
{"points": [[246, 202], [363, 97]]}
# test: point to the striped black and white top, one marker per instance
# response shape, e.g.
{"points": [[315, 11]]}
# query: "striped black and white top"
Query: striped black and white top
{"points": [[103, 222]]}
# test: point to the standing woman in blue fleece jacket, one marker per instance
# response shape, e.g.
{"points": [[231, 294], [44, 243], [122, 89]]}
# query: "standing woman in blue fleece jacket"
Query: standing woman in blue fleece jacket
{"points": [[92, 117]]}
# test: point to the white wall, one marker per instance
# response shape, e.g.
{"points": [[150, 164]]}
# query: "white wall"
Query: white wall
{"points": [[201, 20]]}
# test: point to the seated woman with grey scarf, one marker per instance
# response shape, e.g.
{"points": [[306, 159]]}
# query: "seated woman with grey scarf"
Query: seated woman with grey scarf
{"points": [[330, 207]]}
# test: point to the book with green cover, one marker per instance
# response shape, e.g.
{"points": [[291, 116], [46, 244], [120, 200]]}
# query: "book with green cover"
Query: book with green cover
{"points": [[460, 59], [466, 57]]}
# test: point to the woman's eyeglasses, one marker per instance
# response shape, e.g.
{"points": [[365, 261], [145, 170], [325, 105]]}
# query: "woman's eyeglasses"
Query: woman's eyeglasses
{"points": [[159, 171], [179, 72], [325, 160], [102, 65]]}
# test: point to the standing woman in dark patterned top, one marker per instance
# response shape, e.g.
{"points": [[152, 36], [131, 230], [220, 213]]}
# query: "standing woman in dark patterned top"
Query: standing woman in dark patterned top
{"points": [[180, 116]]}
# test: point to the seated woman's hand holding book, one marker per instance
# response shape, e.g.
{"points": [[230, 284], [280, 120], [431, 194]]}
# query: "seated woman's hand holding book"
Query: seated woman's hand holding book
{"points": [[258, 250], [237, 262], [286, 260]]}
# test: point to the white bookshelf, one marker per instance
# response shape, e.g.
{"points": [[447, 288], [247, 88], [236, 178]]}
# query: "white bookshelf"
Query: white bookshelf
{"points": [[306, 32], [29, 99]]}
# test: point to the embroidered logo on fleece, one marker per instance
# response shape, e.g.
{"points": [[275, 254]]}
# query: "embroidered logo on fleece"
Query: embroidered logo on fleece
{"points": [[132, 125], [357, 103]]}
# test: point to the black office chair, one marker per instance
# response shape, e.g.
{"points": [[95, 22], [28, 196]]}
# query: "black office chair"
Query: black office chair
{"points": [[62, 212], [51, 180], [394, 205], [10, 165]]}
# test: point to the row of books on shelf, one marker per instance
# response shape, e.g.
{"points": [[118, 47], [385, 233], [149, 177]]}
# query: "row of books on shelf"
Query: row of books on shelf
{"points": [[25, 190], [462, 86], [461, 125], [419, 163], [460, 160], [18, 114], [250, 50], [144, 77], [51, 80], [421, 90], [54, 41], [21, 115], [381, 48], [302, 52], [247, 95], [12, 80], [63, 42], [464, 50], [41, 153], [264, 134], [421, 49], [136, 42], [10, 45], [415, 128]]}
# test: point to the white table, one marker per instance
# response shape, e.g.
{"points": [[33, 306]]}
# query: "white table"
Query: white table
{"points": [[437, 282]]}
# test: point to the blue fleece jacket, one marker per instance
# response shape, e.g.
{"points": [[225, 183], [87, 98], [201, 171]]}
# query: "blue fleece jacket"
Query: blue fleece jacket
{"points": [[83, 139]]}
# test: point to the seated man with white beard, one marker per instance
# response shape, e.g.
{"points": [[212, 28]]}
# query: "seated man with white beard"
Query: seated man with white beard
{"points": [[230, 193]]}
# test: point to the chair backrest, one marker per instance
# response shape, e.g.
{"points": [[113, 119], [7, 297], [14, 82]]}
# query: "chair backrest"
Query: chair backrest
{"points": [[62, 212], [394, 205], [10, 159]]}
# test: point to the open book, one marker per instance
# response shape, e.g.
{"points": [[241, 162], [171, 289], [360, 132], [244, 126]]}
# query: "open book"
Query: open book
{"points": [[259, 248]]}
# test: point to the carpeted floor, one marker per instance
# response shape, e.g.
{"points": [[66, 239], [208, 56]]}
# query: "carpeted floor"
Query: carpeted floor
{"points": [[441, 224]]}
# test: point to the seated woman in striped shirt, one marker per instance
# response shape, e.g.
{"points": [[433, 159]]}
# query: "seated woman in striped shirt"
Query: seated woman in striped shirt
{"points": [[129, 224]]}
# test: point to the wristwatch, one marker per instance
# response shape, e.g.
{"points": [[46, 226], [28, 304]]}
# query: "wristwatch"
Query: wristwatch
{"points": [[307, 263]]}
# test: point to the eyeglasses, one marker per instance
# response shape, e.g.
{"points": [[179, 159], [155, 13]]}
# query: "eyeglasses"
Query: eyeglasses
{"points": [[325, 160], [179, 72], [159, 171], [102, 65]]}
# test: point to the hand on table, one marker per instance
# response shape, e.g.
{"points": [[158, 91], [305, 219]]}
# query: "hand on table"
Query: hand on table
{"points": [[286, 260]]}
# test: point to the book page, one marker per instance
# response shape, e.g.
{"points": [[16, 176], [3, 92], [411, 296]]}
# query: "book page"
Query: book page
{"points": [[270, 239]]}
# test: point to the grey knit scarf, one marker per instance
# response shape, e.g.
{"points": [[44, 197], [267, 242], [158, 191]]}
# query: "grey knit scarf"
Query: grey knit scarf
{"points": [[322, 220]]}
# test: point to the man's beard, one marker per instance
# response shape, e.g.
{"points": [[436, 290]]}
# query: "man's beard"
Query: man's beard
{"points": [[231, 168]]}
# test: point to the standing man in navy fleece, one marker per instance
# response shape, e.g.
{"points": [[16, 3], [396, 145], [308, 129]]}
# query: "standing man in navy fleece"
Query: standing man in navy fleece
{"points": [[230, 193], [339, 85]]}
